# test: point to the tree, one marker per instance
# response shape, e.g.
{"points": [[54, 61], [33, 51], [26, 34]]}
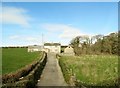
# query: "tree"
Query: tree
{"points": [[97, 44]]}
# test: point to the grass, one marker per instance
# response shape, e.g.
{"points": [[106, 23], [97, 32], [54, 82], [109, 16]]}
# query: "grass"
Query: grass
{"points": [[90, 69], [16, 58], [0, 60]]}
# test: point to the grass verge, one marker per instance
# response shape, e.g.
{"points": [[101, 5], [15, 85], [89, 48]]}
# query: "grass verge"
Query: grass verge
{"points": [[90, 70]]}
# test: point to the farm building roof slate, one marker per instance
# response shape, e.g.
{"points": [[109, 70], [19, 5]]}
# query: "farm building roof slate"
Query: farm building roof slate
{"points": [[34, 46], [52, 44]]}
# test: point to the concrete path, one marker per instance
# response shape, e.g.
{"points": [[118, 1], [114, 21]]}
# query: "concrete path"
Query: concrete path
{"points": [[52, 75]]}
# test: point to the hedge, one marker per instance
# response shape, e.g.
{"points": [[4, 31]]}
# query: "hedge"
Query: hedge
{"points": [[30, 80]]}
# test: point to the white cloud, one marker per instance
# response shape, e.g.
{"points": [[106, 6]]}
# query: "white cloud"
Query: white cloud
{"points": [[66, 31], [13, 15], [31, 39], [53, 27], [28, 39], [70, 32], [14, 37]]}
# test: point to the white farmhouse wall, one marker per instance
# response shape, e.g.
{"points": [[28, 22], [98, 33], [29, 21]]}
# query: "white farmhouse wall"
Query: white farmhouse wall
{"points": [[55, 49], [29, 50], [34, 48]]}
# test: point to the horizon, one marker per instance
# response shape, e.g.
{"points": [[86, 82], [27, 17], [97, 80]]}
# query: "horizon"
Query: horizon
{"points": [[46, 42], [24, 23]]}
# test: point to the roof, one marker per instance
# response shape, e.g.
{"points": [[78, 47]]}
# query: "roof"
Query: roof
{"points": [[34, 46], [52, 44]]}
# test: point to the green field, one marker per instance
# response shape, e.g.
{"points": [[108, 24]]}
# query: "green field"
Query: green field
{"points": [[16, 58], [90, 69]]}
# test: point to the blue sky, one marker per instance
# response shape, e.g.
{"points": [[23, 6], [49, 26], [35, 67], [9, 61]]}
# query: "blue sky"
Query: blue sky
{"points": [[24, 23]]}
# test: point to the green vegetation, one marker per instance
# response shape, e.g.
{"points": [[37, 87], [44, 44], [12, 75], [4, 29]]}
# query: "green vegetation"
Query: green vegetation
{"points": [[16, 58], [26, 77], [98, 44], [95, 70], [0, 60]]}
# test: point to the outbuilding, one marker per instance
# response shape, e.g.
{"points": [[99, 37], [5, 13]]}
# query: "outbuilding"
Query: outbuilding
{"points": [[69, 51], [33, 48]]}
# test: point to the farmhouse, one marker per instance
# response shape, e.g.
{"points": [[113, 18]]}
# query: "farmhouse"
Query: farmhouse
{"points": [[53, 47], [33, 48], [46, 50], [69, 50], [48, 47]]}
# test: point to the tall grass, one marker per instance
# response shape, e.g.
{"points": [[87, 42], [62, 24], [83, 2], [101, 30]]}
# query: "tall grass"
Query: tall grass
{"points": [[91, 69], [16, 58]]}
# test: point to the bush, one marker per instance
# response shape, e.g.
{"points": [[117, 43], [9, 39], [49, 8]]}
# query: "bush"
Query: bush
{"points": [[12, 77]]}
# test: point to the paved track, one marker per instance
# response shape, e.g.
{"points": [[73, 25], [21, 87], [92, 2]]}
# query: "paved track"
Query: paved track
{"points": [[52, 75]]}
